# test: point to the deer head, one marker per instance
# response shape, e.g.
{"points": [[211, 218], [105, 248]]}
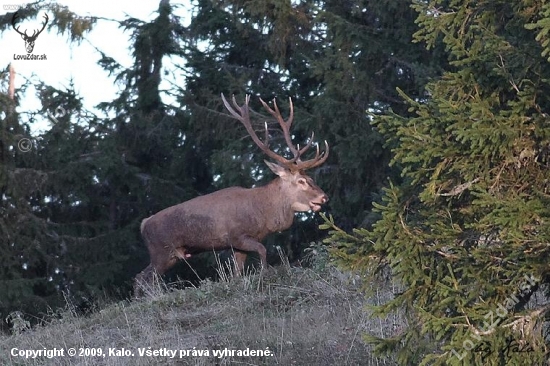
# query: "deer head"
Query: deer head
{"points": [[29, 40], [306, 194]]}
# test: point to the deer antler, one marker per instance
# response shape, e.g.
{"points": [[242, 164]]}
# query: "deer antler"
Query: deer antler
{"points": [[34, 33], [285, 126], [43, 26], [13, 20], [294, 164]]}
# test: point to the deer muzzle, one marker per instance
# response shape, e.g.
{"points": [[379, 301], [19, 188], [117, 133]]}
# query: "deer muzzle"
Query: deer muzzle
{"points": [[315, 205]]}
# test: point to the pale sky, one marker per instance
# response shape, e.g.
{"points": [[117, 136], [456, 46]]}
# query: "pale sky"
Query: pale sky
{"points": [[66, 60]]}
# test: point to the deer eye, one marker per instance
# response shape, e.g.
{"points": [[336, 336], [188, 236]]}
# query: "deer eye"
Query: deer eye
{"points": [[302, 182]]}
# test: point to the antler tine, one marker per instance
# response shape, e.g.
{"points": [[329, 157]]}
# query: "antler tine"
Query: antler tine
{"points": [[291, 117], [324, 157], [279, 117], [308, 145], [45, 23], [285, 125], [244, 117], [230, 109], [13, 21], [319, 159], [288, 124], [245, 105]]}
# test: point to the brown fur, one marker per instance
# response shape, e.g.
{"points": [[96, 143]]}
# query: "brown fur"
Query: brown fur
{"points": [[237, 218]]}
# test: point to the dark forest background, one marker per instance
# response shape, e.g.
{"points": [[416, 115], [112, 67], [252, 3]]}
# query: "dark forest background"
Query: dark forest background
{"points": [[435, 112], [72, 206]]}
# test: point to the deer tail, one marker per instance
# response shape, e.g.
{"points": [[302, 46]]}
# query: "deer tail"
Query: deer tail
{"points": [[143, 224]]}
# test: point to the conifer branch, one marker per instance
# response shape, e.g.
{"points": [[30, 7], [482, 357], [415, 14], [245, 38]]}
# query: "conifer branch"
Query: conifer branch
{"points": [[459, 189]]}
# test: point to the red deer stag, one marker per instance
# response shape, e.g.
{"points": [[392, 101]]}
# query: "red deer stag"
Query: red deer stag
{"points": [[235, 217]]}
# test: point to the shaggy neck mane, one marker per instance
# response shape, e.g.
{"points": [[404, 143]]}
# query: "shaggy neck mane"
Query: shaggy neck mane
{"points": [[276, 205]]}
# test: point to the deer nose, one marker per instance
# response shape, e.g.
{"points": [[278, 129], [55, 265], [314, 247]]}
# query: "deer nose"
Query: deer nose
{"points": [[324, 199]]}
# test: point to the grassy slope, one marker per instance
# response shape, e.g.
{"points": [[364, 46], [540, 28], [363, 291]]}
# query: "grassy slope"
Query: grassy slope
{"points": [[305, 317]]}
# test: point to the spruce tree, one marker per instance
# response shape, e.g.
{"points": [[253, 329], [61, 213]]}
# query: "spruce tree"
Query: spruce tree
{"points": [[71, 205], [466, 231], [33, 225]]}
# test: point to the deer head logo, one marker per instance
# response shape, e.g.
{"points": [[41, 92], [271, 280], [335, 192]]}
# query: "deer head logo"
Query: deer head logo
{"points": [[29, 40]]}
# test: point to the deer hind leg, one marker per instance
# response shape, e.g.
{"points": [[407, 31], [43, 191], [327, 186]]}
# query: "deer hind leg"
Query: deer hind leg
{"points": [[146, 278], [142, 280]]}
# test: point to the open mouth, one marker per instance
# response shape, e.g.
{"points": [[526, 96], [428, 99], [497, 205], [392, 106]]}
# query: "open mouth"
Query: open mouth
{"points": [[315, 206]]}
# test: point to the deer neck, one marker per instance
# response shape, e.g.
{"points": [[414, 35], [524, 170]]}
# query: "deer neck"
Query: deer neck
{"points": [[276, 206]]}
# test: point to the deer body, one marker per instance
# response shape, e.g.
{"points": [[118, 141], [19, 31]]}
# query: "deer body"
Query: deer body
{"points": [[230, 218], [233, 218]]}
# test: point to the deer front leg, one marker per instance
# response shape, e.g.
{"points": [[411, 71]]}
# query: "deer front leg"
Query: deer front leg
{"points": [[240, 258], [248, 244]]}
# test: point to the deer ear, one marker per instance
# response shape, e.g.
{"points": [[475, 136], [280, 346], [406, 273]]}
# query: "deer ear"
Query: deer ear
{"points": [[277, 169]]}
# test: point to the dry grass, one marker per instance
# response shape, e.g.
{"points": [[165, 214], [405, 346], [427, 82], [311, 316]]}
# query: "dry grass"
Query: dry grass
{"points": [[304, 317]]}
